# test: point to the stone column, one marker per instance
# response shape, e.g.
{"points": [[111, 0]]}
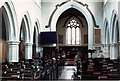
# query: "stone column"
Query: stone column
{"points": [[13, 51], [37, 51], [103, 48], [91, 40], [107, 50], [119, 48], [41, 51], [28, 50], [116, 48], [113, 52]]}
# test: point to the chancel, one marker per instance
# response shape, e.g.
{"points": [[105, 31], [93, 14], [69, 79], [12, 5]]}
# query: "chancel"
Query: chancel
{"points": [[60, 40]]}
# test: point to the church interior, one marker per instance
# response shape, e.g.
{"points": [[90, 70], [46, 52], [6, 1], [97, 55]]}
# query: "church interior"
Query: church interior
{"points": [[59, 39]]}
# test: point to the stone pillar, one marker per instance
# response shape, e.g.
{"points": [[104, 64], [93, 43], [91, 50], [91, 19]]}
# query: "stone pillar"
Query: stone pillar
{"points": [[116, 48], [28, 50], [37, 51], [13, 51], [91, 40], [113, 49], [41, 51], [119, 48], [107, 51]]}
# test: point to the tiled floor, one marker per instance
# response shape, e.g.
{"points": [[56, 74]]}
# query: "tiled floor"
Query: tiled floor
{"points": [[67, 72]]}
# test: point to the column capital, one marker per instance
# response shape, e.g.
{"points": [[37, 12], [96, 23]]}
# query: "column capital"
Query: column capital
{"points": [[28, 44], [102, 44], [118, 42], [13, 52], [37, 45], [113, 44], [28, 50], [107, 45], [13, 42]]}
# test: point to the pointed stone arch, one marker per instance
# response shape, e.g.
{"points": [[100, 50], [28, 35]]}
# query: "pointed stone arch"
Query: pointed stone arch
{"points": [[26, 20], [37, 24], [27, 31], [106, 31], [10, 18], [35, 38], [114, 35], [112, 23], [106, 39], [80, 7]]}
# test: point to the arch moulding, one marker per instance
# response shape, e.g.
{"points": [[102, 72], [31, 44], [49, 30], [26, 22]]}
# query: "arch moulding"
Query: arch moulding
{"points": [[83, 8]]}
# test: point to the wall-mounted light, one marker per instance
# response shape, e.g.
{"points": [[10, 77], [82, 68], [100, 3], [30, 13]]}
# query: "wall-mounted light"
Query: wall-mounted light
{"points": [[47, 26]]}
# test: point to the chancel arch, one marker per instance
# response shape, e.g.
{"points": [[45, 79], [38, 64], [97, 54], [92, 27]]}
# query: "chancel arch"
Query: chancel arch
{"points": [[83, 10]]}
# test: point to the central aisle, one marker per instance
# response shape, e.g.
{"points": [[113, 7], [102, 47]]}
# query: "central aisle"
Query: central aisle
{"points": [[67, 72]]}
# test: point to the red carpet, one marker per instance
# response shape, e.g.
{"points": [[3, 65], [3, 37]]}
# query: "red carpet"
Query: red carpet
{"points": [[71, 62]]}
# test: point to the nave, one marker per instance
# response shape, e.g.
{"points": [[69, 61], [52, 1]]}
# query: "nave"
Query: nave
{"points": [[32, 30]]}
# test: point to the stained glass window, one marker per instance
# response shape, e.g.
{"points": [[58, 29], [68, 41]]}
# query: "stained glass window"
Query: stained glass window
{"points": [[73, 33]]}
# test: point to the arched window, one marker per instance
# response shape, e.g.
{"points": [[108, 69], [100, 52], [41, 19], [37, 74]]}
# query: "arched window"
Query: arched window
{"points": [[73, 36]]}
